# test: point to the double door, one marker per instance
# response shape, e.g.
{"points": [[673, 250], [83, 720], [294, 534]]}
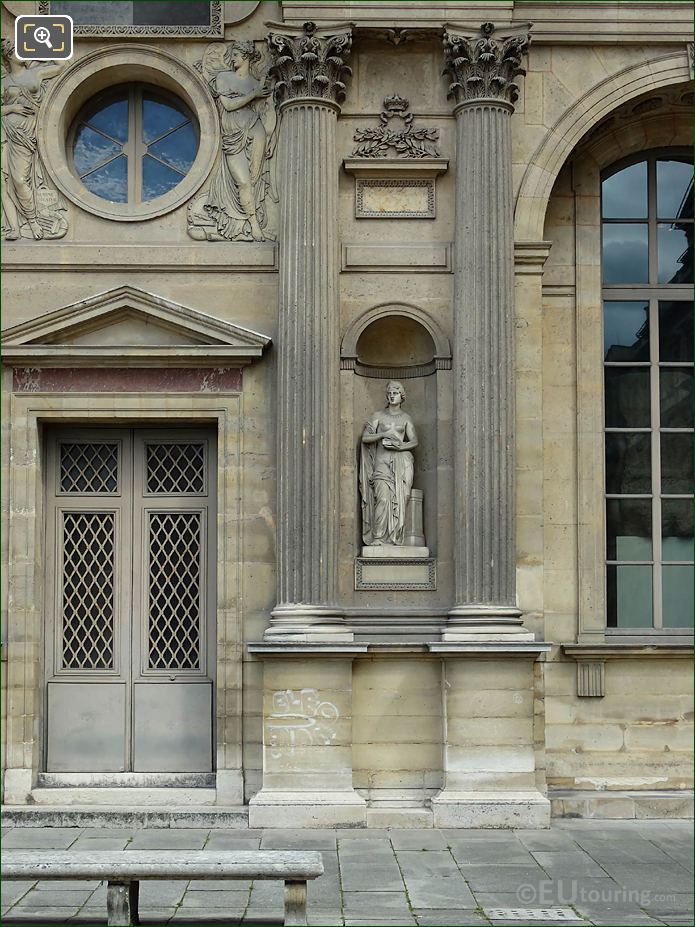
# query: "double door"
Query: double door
{"points": [[130, 529]]}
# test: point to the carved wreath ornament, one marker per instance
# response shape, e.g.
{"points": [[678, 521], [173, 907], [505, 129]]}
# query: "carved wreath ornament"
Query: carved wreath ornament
{"points": [[408, 142], [484, 68], [310, 65]]}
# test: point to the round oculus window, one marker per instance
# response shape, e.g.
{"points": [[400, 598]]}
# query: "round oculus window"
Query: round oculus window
{"points": [[133, 144]]}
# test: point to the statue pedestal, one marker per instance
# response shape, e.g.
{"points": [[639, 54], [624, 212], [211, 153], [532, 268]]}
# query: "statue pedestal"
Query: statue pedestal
{"points": [[393, 552]]}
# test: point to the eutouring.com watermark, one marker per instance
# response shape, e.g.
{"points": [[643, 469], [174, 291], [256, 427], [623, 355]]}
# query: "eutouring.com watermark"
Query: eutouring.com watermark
{"points": [[571, 891]]}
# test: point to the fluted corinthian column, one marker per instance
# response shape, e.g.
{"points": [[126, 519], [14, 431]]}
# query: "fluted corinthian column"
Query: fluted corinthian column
{"points": [[481, 70], [309, 67]]}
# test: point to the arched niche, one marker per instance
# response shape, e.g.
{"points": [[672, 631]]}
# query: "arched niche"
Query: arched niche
{"points": [[395, 336], [395, 341]]}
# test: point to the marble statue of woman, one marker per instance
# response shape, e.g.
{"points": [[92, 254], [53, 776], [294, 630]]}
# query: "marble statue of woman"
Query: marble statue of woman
{"points": [[31, 206], [386, 470], [234, 206]]}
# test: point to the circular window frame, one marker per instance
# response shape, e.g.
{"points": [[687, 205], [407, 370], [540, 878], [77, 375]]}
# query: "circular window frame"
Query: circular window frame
{"points": [[104, 70], [124, 91]]}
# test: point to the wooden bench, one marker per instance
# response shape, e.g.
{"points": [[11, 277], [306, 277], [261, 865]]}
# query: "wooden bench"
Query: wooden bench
{"points": [[124, 870]]}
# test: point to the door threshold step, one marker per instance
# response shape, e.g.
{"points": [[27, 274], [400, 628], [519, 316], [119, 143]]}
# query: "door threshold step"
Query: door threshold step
{"points": [[123, 795], [132, 816]]}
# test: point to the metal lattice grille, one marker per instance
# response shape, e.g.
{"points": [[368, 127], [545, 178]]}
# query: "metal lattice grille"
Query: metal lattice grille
{"points": [[174, 591], [88, 590], [89, 468], [178, 468]]}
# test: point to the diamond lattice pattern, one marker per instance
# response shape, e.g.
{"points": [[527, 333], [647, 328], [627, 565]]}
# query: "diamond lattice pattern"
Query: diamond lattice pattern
{"points": [[88, 588], [89, 468], [176, 468], [174, 591]]}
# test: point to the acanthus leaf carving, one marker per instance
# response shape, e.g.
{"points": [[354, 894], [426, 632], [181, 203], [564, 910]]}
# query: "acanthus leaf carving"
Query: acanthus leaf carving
{"points": [[407, 142], [310, 63], [483, 67], [31, 206], [237, 204]]}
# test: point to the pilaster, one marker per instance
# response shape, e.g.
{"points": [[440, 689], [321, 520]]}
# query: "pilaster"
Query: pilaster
{"points": [[482, 71], [309, 67]]}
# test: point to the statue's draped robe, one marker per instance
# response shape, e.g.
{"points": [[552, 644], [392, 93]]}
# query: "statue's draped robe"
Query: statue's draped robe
{"points": [[241, 129], [387, 479]]}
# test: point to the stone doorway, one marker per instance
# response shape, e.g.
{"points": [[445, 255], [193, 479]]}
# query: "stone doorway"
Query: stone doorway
{"points": [[130, 600]]}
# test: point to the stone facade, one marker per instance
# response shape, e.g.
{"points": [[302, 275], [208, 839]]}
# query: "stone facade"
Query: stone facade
{"points": [[378, 193]]}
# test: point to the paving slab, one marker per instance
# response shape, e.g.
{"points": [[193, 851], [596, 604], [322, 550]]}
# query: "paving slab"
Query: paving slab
{"points": [[502, 878], [49, 899], [448, 917], [573, 863], [40, 838], [375, 904], [168, 839], [298, 840], [13, 891], [417, 839], [232, 901]]}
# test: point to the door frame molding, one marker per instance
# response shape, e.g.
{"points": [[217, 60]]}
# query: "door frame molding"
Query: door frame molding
{"points": [[26, 569]]}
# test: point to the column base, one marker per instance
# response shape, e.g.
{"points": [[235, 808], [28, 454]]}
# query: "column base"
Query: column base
{"points": [[485, 623], [494, 809], [270, 808], [308, 623]]}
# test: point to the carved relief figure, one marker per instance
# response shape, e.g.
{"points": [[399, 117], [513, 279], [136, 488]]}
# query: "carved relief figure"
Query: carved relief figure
{"points": [[234, 207], [386, 470], [31, 206]]}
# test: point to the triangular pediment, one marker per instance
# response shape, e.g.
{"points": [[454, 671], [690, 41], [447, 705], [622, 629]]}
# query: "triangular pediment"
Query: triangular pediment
{"points": [[128, 325]]}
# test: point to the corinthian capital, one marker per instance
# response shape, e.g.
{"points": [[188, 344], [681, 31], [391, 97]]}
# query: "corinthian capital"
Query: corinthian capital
{"points": [[480, 67], [310, 62]]}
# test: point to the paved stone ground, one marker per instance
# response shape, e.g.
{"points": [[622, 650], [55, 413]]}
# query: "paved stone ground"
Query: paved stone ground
{"points": [[591, 872]]}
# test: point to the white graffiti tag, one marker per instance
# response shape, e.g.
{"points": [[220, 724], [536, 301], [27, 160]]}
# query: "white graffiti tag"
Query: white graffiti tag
{"points": [[299, 719]]}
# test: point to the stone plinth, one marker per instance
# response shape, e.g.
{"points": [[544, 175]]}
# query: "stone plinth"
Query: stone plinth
{"points": [[490, 775], [307, 741]]}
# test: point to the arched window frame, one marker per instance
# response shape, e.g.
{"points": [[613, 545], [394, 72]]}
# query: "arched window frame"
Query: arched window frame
{"points": [[596, 161]]}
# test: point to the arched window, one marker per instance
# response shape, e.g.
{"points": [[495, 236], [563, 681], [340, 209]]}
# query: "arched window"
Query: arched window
{"points": [[133, 144], [647, 274]]}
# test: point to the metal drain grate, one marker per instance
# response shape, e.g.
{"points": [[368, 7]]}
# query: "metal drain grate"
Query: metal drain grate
{"points": [[533, 914]]}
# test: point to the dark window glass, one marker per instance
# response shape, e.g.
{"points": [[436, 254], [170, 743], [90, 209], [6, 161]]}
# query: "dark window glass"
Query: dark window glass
{"points": [[627, 397], [629, 529], [675, 250], [676, 397], [112, 12], [625, 253], [676, 462], [677, 596], [626, 330], [158, 119], [112, 120], [92, 150], [624, 195], [675, 331], [628, 464], [177, 149], [157, 178], [629, 599], [674, 189], [676, 529], [111, 181]]}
